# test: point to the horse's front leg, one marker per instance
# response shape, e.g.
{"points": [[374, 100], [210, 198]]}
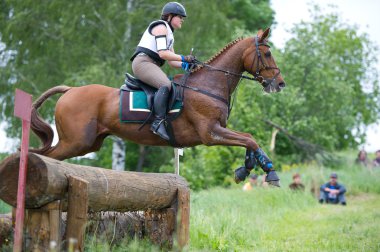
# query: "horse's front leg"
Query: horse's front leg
{"points": [[254, 154]]}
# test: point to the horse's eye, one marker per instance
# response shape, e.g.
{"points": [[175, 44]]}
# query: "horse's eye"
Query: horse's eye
{"points": [[268, 54]]}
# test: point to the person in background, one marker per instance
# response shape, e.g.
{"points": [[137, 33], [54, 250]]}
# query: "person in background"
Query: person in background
{"points": [[333, 192], [251, 183], [362, 158], [297, 184], [376, 161], [263, 182]]}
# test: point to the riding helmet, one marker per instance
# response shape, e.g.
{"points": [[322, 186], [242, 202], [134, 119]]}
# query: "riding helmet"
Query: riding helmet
{"points": [[174, 8]]}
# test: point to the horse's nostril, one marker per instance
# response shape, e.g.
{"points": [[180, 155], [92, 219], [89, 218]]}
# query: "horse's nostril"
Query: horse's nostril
{"points": [[281, 84]]}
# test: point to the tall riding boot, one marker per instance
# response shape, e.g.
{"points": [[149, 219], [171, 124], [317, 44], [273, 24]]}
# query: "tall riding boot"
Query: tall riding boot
{"points": [[160, 107]]}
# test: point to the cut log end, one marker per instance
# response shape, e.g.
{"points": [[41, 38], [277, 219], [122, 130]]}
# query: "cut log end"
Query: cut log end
{"points": [[36, 185]]}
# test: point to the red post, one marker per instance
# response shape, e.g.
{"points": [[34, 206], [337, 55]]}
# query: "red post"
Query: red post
{"points": [[23, 107]]}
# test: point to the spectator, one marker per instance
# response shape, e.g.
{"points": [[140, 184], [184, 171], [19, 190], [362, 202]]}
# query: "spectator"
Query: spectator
{"points": [[297, 184], [263, 182], [362, 158], [332, 191], [376, 161], [251, 183]]}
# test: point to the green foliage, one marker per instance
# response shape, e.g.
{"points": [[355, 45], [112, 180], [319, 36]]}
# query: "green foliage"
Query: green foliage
{"points": [[91, 42], [332, 83], [4, 207]]}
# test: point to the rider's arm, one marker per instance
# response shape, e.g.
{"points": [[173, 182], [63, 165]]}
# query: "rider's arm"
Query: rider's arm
{"points": [[174, 63], [164, 53]]}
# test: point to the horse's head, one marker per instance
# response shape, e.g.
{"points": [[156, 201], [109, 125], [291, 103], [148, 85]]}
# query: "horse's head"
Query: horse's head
{"points": [[258, 61]]}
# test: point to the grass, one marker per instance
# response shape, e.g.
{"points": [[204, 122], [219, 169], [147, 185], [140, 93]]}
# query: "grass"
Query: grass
{"points": [[277, 219], [281, 220]]}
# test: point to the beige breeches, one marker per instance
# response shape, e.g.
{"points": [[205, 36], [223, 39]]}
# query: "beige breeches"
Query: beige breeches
{"points": [[145, 69]]}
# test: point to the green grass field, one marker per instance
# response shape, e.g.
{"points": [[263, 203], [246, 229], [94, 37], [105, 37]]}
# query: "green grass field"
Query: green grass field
{"points": [[277, 219], [280, 220]]}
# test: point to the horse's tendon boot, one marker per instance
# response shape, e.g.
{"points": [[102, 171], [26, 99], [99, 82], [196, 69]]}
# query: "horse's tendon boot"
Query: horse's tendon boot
{"points": [[267, 166], [241, 174], [250, 160], [263, 160]]}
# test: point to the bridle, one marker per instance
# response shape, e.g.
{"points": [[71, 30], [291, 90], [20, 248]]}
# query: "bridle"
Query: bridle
{"points": [[263, 81], [260, 66]]}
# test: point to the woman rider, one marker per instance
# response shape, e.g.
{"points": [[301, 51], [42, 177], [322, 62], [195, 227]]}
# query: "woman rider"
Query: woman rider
{"points": [[156, 47]]}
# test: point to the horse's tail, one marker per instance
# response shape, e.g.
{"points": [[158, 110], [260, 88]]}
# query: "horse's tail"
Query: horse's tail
{"points": [[41, 128]]}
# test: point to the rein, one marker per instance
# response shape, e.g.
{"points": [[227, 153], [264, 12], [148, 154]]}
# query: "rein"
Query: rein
{"points": [[256, 76]]}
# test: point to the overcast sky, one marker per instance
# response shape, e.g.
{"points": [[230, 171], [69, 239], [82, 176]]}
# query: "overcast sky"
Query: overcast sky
{"points": [[364, 13]]}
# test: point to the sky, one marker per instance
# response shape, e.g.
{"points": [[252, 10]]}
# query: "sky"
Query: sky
{"points": [[364, 14]]}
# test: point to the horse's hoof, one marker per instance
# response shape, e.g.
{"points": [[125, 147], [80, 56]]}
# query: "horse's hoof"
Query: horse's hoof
{"points": [[240, 174], [274, 183], [272, 178]]}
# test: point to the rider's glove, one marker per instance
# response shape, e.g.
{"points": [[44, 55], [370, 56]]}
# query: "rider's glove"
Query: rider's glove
{"points": [[189, 58], [188, 66], [185, 66]]}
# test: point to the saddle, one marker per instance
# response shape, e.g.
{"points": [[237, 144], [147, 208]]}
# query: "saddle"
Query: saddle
{"points": [[136, 104], [132, 84]]}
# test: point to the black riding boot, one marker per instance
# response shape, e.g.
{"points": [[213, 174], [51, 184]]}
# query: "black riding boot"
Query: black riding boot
{"points": [[160, 107]]}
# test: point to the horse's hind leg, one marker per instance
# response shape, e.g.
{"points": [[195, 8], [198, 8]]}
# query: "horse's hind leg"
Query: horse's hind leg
{"points": [[75, 141]]}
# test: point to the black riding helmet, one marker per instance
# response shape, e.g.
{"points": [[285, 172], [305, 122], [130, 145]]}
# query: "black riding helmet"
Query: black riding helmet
{"points": [[174, 8]]}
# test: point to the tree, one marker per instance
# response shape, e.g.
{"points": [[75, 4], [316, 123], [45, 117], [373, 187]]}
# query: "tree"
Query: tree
{"points": [[77, 43], [332, 86]]}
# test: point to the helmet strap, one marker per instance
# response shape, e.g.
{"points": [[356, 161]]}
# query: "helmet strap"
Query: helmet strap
{"points": [[170, 22]]}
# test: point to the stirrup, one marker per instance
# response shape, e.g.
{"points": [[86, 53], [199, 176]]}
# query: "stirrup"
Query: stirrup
{"points": [[160, 130], [155, 128]]}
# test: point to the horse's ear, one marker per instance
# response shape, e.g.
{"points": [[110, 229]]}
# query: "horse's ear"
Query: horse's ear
{"points": [[264, 34]]}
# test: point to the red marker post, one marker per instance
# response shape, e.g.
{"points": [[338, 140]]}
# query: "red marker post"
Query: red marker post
{"points": [[23, 108]]}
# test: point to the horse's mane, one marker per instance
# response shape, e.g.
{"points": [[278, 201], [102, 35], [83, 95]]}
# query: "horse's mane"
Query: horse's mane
{"points": [[217, 54]]}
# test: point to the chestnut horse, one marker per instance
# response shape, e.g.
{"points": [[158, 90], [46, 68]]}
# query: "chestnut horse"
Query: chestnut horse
{"points": [[86, 115]]}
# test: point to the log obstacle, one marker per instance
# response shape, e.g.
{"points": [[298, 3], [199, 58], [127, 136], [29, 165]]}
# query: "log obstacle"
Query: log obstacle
{"points": [[54, 186]]}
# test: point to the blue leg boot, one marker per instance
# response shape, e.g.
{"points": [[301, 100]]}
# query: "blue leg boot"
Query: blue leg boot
{"points": [[267, 166]]}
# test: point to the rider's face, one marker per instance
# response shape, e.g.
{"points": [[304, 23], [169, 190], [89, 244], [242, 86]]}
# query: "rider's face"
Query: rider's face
{"points": [[177, 22]]}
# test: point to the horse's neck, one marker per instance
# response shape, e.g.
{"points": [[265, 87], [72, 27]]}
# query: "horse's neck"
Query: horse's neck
{"points": [[230, 60]]}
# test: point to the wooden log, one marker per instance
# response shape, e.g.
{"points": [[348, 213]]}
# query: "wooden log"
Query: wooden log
{"points": [[183, 217], [38, 230], [107, 189], [114, 226], [160, 226], [77, 211], [55, 221]]}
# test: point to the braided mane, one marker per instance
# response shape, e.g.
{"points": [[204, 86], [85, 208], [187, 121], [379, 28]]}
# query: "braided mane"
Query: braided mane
{"points": [[229, 45]]}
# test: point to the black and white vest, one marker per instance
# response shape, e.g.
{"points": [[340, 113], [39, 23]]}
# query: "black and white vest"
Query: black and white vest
{"points": [[148, 44]]}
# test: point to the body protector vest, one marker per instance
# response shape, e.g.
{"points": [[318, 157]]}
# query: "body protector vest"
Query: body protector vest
{"points": [[150, 44]]}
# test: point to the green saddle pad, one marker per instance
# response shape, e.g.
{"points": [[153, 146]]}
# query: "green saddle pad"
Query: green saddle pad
{"points": [[134, 107]]}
